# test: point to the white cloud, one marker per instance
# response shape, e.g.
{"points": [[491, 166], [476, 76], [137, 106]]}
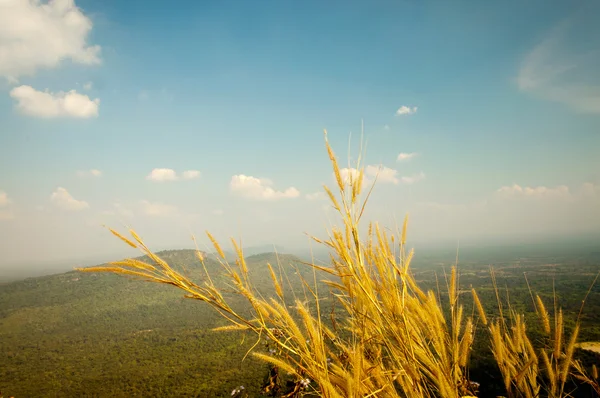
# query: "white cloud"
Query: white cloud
{"points": [[589, 189], [89, 173], [412, 179], [162, 175], [539, 191], [218, 212], [514, 212], [190, 174], [349, 175], [88, 86], [406, 110], [157, 209], [563, 68], [63, 199], [383, 174], [403, 156], [316, 196], [6, 212], [4, 200], [560, 192], [259, 188], [46, 104], [36, 34]]}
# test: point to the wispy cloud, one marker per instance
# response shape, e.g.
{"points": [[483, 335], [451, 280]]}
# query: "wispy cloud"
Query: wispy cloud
{"points": [[539, 191], [259, 188], [45, 104], [403, 156], [157, 209], [63, 199], [38, 34], [4, 200], [190, 174], [517, 212], [537, 194], [316, 196], [161, 175], [412, 179], [89, 173], [348, 174], [562, 67], [88, 86], [406, 110], [6, 212], [383, 174], [590, 189]]}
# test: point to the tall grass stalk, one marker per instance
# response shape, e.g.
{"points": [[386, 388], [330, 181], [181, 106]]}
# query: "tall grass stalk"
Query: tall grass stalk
{"points": [[395, 339]]}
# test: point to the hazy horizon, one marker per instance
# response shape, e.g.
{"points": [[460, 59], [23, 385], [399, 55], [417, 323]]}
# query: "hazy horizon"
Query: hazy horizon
{"points": [[426, 252], [210, 116]]}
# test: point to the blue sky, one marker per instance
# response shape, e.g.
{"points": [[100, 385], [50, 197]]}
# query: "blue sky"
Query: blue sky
{"points": [[498, 103]]}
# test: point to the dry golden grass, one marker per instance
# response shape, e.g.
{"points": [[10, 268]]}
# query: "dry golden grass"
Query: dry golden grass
{"points": [[395, 340], [527, 373], [593, 346]]}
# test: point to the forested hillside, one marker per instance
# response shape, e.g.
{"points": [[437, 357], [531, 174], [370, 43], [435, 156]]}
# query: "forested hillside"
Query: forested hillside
{"points": [[79, 334], [95, 334]]}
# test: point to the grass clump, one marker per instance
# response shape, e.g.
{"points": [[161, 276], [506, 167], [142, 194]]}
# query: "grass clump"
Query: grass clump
{"points": [[393, 338]]}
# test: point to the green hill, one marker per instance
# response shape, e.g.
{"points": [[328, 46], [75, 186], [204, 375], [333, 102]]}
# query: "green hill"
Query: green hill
{"points": [[96, 334], [87, 334]]}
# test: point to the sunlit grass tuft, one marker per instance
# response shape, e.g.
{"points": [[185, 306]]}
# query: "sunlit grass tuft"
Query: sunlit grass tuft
{"points": [[394, 339]]}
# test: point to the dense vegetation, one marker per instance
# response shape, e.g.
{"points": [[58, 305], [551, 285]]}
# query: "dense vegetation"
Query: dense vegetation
{"points": [[77, 334]]}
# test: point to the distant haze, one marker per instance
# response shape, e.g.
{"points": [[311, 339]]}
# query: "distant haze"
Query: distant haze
{"points": [[426, 253]]}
